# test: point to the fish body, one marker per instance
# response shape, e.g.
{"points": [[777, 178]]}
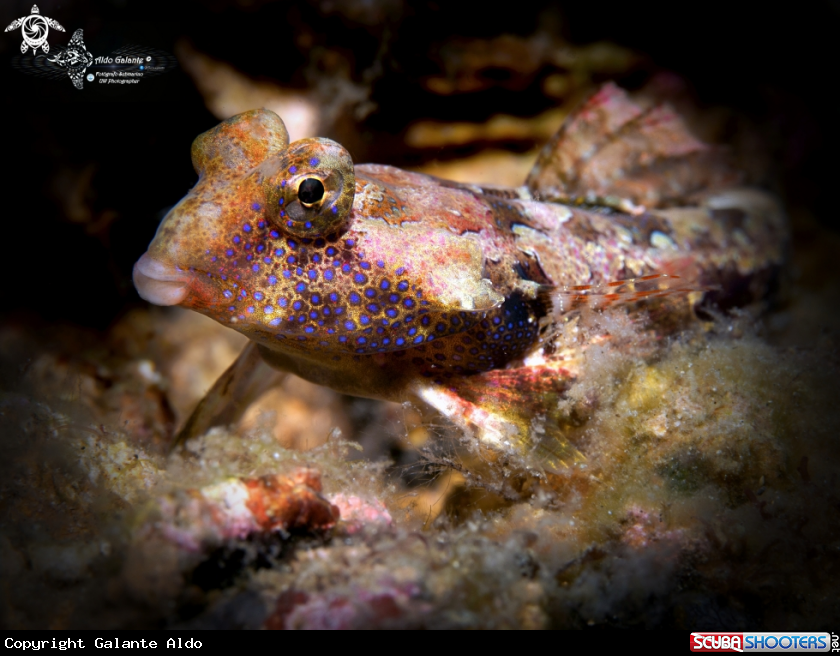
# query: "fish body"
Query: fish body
{"points": [[388, 284]]}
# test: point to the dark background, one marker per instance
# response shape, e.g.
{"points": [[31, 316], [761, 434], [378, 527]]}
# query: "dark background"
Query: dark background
{"points": [[70, 239]]}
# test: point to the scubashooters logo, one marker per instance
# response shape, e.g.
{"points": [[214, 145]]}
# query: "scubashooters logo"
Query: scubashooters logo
{"points": [[126, 66], [755, 642]]}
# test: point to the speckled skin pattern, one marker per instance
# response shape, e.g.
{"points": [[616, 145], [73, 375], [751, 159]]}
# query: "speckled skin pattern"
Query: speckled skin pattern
{"points": [[396, 285]]}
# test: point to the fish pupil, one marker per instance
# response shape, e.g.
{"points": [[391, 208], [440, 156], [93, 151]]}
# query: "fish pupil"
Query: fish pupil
{"points": [[311, 191]]}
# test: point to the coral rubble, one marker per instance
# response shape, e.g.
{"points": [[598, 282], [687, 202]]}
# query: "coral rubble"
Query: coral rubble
{"points": [[705, 496]]}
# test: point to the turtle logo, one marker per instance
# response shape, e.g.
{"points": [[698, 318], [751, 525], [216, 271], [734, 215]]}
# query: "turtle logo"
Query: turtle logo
{"points": [[35, 29], [75, 58]]}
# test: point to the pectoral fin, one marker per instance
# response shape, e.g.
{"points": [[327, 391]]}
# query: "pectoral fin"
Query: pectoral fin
{"points": [[512, 411]]}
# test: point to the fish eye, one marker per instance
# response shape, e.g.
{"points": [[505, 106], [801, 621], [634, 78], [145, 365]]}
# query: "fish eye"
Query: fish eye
{"points": [[310, 188], [311, 191]]}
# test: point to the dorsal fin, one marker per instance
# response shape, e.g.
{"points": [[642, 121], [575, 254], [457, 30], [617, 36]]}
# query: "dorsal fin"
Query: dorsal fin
{"points": [[614, 152]]}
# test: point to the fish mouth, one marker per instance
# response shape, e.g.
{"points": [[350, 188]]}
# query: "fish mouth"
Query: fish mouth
{"points": [[160, 283]]}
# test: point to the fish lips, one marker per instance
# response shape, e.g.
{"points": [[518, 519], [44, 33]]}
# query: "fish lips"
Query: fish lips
{"points": [[160, 283]]}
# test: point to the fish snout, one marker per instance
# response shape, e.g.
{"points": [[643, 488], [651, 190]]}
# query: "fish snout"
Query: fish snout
{"points": [[160, 283]]}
